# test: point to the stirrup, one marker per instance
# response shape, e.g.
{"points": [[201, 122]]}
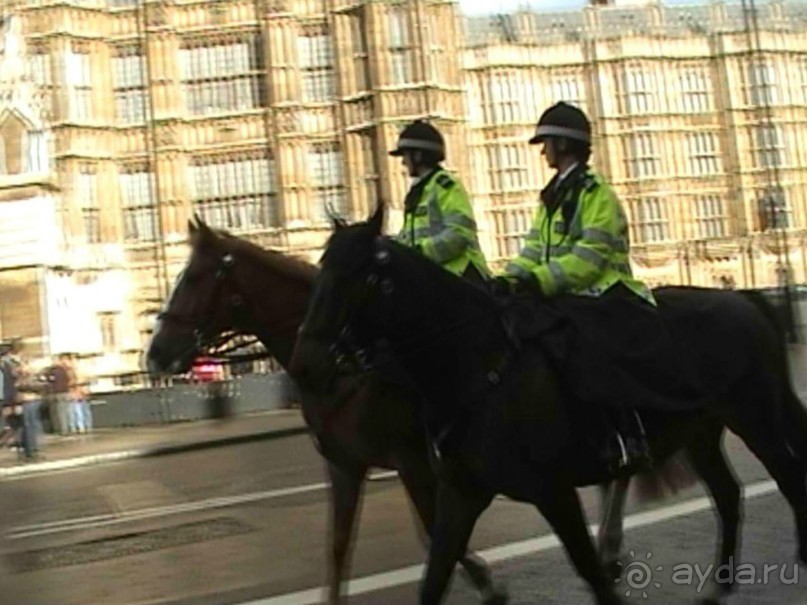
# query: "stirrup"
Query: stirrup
{"points": [[639, 422], [623, 459], [615, 460]]}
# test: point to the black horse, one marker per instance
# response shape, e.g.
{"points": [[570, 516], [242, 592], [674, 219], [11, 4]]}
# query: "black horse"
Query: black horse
{"points": [[499, 413]]}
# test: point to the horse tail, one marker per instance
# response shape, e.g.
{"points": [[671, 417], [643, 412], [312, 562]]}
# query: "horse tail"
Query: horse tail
{"points": [[672, 476], [794, 412]]}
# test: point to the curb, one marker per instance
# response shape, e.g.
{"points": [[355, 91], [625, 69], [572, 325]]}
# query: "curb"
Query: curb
{"points": [[166, 450], [148, 452]]}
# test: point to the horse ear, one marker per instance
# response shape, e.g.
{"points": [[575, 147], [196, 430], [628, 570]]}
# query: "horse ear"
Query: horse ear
{"points": [[376, 221], [337, 221], [205, 232], [198, 231]]}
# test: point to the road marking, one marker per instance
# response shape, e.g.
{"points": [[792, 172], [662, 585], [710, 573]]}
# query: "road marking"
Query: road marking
{"points": [[80, 523], [414, 573]]}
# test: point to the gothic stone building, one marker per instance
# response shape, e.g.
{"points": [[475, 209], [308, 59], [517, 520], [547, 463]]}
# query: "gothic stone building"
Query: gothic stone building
{"points": [[121, 118]]}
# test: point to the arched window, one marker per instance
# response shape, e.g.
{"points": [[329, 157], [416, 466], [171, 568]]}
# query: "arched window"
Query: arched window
{"points": [[13, 133]]}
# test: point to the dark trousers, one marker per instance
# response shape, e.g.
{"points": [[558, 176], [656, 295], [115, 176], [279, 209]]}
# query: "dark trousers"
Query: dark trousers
{"points": [[31, 427]]}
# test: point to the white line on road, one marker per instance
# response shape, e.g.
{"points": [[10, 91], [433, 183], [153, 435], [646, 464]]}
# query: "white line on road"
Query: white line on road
{"points": [[414, 573], [80, 523]]}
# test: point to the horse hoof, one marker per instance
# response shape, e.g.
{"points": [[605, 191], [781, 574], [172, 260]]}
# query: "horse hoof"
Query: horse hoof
{"points": [[497, 596]]}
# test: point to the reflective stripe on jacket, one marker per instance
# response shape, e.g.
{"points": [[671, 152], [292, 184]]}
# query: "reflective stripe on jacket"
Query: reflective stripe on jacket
{"points": [[442, 225], [581, 247]]}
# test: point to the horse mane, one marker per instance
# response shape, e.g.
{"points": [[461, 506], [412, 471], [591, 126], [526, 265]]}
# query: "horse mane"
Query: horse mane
{"points": [[293, 268], [455, 285]]}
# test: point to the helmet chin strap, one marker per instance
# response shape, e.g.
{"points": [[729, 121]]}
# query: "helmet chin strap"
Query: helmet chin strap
{"points": [[418, 167], [563, 162]]}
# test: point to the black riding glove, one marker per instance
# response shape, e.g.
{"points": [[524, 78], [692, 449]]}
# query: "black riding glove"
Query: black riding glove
{"points": [[502, 286], [529, 285]]}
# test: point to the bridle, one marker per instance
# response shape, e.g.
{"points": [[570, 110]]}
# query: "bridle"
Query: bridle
{"points": [[347, 348], [205, 336], [347, 351]]}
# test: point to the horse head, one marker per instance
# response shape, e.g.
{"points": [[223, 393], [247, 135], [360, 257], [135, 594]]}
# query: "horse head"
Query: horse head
{"points": [[200, 306], [369, 288]]}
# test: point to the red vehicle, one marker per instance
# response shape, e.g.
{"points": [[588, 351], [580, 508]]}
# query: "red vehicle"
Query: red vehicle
{"points": [[206, 370]]}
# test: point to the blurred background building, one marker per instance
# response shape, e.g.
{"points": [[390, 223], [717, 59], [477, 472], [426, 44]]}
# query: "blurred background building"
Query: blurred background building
{"points": [[121, 118]]}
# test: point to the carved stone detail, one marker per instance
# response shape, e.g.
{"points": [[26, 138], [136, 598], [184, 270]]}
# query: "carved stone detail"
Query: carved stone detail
{"points": [[274, 7], [288, 120], [167, 135], [158, 14]]}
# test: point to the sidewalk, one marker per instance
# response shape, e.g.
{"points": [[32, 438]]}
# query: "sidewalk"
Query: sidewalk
{"points": [[109, 445]]}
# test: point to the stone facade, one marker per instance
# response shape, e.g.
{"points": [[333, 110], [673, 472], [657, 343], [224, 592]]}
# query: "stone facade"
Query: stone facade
{"points": [[120, 118], [698, 112]]}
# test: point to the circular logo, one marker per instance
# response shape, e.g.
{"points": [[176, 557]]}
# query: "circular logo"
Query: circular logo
{"points": [[638, 575]]}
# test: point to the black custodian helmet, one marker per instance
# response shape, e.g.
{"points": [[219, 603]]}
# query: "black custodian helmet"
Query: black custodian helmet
{"points": [[421, 136], [563, 120]]}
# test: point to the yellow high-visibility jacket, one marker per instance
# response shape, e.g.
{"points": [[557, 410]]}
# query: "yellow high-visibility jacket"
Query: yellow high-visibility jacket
{"points": [[441, 223], [579, 244]]}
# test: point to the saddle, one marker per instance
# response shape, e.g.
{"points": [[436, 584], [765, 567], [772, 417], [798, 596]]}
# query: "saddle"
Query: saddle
{"points": [[615, 350]]}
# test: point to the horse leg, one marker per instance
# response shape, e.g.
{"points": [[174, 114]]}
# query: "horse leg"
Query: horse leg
{"points": [[789, 474], [763, 433], [455, 518], [708, 460], [611, 533], [560, 505], [421, 484], [346, 489]]}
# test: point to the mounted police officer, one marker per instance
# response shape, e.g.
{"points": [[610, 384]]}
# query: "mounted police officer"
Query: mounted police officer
{"points": [[438, 218], [578, 244]]}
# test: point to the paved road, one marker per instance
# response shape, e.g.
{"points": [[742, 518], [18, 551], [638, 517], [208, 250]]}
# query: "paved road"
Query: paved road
{"points": [[248, 523]]}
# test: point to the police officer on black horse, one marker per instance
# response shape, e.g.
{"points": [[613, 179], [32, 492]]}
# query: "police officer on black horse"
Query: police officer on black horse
{"points": [[579, 246], [438, 217]]}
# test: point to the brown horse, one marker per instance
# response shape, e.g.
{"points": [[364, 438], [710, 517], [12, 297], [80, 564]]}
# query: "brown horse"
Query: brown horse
{"points": [[365, 420], [496, 408]]}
